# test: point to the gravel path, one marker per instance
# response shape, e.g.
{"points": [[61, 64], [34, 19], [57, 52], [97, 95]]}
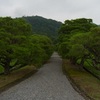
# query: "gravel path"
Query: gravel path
{"points": [[48, 83]]}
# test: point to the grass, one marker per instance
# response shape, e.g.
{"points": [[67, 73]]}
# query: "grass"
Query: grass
{"points": [[6, 80], [83, 80]]}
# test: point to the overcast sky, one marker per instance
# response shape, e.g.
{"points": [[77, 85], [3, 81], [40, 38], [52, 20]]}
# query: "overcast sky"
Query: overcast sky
{"points": [[60, 10]]}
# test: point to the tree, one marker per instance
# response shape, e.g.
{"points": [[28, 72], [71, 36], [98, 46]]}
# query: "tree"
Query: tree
{"points": [[12, 41], [19, 47], [76, 25], [44, 43], [93, 46], [79, 40], [77, 50]]}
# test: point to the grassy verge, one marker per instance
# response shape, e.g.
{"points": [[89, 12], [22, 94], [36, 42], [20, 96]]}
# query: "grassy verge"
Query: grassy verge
{"points": [[86, 82], [6, 81]]}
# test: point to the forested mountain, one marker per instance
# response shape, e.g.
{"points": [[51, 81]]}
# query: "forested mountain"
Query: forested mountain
{"points": [[44, 26]]}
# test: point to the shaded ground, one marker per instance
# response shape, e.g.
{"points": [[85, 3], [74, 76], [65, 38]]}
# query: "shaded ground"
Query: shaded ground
{"points": [[48, 83]]}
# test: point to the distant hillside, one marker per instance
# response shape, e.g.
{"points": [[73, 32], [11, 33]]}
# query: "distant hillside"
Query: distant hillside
{"points": [[44, 26]]}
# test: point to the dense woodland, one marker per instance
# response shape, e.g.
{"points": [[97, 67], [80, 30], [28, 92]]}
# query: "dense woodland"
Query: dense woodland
{"points": [[79, 41], [20, 47], [44, 26], [30, 40]]}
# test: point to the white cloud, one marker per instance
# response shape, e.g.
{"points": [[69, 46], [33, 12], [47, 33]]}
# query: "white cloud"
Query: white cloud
{"points": [[55, 9]]}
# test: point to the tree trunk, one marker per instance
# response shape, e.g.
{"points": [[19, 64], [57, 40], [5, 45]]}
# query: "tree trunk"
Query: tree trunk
{"points": [[73, 60], [7, 66], [6, 70]]}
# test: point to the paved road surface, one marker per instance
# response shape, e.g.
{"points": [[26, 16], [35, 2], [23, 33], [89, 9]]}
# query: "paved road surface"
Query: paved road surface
{"points": [[48, 83]]}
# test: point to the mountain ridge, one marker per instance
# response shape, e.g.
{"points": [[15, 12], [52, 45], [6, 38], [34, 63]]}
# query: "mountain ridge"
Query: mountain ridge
{"points": [[44, 26]]}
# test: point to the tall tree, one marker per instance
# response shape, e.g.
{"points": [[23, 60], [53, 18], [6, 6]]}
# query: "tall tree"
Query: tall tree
{"points": [[13, 37], [79, 40], [19, 47], [77, 25]]}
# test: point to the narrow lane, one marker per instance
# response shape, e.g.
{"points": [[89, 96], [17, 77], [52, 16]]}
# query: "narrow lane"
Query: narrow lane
{"points": [[48, 83]]}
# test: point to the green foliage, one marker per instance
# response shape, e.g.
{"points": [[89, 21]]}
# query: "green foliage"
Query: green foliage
{"points": [[64, 47], [77, 25], [1, 69], [41, 48], [79, 39], [93, 46], [19, 47], [91, 69]]}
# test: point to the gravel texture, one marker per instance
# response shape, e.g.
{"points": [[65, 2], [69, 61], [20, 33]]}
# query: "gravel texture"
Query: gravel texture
{"points": [[49, 83]]}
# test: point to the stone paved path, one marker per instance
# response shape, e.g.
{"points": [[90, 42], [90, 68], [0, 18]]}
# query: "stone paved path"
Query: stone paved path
{"points": [[48, 83]]}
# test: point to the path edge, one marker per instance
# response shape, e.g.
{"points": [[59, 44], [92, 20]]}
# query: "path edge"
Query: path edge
{"points": [[17, 81]]}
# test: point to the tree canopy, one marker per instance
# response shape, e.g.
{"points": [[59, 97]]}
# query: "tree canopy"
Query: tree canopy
{"points": [[76, 25], [79, 41], [19, 47]]}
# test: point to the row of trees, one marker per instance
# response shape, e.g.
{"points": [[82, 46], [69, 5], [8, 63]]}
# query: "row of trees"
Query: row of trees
{"points": [[79, 41], [19, 47]]}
